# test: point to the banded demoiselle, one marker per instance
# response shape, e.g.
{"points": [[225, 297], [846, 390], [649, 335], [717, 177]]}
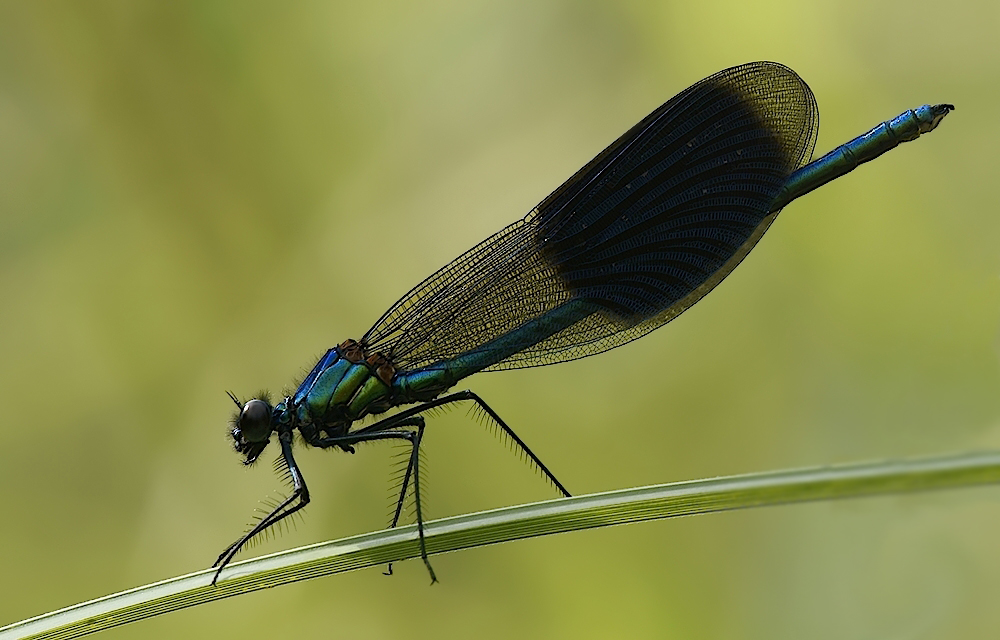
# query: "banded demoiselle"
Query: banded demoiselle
{"points": [[634, 238]]}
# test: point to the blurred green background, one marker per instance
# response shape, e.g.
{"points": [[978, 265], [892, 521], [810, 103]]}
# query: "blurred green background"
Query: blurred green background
{"points": [[202, 196]]}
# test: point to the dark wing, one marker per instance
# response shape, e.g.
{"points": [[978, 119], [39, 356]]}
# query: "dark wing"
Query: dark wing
{"points": [[639, 234]]}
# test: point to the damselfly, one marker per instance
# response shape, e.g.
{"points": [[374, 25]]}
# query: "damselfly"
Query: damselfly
{"points": [[634, 238]]}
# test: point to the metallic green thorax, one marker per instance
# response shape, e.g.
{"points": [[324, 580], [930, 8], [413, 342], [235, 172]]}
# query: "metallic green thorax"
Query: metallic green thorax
{"points": [[345, 385], [348, 383]]}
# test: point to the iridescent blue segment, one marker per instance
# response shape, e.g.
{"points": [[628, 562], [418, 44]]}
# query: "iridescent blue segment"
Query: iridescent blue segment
{"points": [[328, 358], [905, 127], [318, 399]]}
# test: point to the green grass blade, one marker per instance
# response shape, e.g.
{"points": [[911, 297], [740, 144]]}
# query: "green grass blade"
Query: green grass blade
{"points": [[513, 523]]}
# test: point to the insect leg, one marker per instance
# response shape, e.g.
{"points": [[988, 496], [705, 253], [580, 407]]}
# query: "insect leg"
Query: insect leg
{"points": [[415, 463], [418, 422], [282, 511], [461, 396], [413, 467]]}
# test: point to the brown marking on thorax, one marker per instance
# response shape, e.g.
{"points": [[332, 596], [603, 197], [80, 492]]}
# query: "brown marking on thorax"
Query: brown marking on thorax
{"points": [[355, 353]]}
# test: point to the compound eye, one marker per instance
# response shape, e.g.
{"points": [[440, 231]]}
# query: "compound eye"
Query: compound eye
{"points": [[255, 421]]}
